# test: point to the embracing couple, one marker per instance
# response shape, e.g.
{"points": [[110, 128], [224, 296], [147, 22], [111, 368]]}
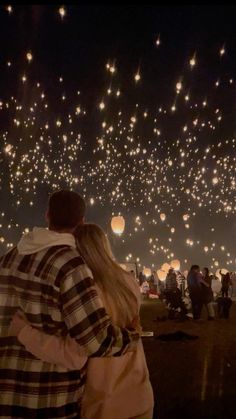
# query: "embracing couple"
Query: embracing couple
{"points": [[70, 342]]}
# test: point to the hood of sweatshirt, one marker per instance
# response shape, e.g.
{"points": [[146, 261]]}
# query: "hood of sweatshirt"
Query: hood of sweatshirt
{"points": [[42, 238]]}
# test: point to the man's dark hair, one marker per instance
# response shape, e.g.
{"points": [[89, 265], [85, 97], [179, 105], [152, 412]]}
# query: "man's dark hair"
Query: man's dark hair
{"points": [[194, 267], [66, 209]]}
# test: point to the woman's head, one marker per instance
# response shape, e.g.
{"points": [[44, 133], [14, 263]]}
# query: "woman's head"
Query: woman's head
{"points": [[195, 268], [94, 247]]}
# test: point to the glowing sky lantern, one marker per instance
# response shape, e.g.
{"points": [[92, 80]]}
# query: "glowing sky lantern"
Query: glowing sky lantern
{"points": [[162, 216], [137, 77], [179, 86], [9, 9], [192, 61], [222, 51], [158, 41], [175, 264], [165, 267], [101, 105], [62, 11], [114, 183], [118, 224], [161, 275], [185, 217], [29, 56], [147, 272]]}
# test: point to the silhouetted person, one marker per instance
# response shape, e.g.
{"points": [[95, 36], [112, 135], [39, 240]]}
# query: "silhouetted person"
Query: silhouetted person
{"points": [[225, 282], [195, 290]]}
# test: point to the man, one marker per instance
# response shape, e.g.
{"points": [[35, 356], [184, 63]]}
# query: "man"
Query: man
{"points": [[46, 278]]}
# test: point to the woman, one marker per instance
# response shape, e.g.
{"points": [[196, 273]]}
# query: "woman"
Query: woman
{"points": [[207, 293], [116, 387]]}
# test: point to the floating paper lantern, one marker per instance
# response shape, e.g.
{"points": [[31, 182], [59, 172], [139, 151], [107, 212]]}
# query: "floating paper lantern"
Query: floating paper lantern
{"points": [[175, 264], [147, 272], [161, 275], [185, 217], [118, 224], [162, 217]]}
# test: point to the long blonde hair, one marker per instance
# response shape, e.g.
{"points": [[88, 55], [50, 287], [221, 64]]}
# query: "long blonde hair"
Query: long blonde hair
{"points": [[93, 245]]}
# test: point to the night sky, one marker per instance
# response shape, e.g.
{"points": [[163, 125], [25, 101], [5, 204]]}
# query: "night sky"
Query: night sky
{"points": [[134, 107]]}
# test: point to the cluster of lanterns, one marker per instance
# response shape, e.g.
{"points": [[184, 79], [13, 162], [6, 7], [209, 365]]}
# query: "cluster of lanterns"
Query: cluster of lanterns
{"points": [[118, 227], [162, 273]]}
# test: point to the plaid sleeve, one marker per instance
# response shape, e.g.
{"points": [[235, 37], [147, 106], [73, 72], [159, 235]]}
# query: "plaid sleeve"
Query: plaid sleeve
{"points": [[87, 320]]}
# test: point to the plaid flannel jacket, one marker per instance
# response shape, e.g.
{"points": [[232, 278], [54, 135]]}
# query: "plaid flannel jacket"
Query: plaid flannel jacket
{"points": [[56, 291]]}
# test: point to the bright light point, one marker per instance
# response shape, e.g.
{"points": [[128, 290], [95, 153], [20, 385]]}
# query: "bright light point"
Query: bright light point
{"points": [[179, 86], [222, 51], [112, 69], [62, 11], [158, 41], [192, 62], [29, 56], [162, 217], [9, 9], [215, 180], [137, 77], [101, 106]]}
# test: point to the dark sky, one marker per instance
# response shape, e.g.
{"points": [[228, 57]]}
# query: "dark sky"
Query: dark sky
{"points": [[77, 48]]}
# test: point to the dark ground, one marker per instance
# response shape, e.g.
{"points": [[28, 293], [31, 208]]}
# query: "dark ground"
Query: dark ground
{"points": [[194, 379]]}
